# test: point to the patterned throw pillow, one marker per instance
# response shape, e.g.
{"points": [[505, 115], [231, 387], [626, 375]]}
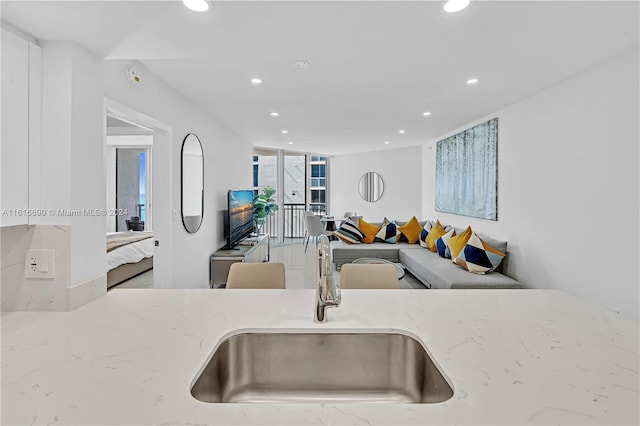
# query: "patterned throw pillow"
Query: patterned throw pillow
{"points": [[457, 243], [479, 257], [436, 232], [411, 230], [388, 232], [441, 243], [424, 233], [369, 230], [349, 232]]}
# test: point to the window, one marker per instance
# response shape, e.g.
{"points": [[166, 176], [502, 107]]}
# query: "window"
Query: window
{"points": [[318, 196], [255, 175]]}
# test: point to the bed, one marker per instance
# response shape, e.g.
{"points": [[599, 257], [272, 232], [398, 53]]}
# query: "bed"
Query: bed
{"points": [[128, 254]]}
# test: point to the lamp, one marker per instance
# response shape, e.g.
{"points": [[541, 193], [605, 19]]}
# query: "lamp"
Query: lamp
{"points": [[455, 5], [196, 5]]}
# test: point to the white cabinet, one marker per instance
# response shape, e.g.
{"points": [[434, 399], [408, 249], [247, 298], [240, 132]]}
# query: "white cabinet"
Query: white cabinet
{"points": [[254, 249], [20, 123]]}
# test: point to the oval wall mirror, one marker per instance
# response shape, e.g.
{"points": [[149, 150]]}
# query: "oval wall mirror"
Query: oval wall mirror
{"points": [[371, 186], [192, 162]]}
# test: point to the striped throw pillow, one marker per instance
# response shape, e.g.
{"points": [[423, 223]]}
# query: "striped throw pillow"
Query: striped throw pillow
{"points": [[349, 233]]}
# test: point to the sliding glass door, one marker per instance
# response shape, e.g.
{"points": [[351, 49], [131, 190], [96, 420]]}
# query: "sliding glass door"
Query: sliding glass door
{"points": [[300, 181]]}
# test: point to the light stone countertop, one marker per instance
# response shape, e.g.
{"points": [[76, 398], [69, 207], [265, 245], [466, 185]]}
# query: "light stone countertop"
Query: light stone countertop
{"points": [[513, 357]]}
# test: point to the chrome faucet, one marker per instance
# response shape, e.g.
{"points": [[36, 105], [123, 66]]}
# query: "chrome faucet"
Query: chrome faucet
{"points": [[327, 290]]}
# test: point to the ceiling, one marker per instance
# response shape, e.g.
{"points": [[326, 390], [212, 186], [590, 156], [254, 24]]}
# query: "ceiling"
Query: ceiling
{"points": [[375, 66]]}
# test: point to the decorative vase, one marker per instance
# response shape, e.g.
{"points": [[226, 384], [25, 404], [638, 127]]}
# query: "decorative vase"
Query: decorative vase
{"points": [[258, 225]]}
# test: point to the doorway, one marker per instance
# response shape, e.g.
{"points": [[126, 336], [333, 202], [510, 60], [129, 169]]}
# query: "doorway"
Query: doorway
{"points": [[135, 146]]}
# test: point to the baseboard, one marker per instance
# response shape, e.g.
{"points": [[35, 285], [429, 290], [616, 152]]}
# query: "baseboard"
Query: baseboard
{"points": [[85, 292]]}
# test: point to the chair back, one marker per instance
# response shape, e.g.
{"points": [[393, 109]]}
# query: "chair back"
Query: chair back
{"points": [[368, 276], [314, 225], [256, 275], [347, 215]]}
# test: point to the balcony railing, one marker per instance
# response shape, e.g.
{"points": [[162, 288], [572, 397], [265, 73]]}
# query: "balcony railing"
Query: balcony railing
{"points": [[294, 226]]}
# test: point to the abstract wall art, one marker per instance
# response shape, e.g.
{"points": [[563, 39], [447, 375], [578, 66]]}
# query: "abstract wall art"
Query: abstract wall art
{"points": [[466, 172]]}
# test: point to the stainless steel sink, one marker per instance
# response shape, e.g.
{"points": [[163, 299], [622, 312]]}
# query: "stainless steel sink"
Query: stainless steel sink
{"points": [[321, 367]]}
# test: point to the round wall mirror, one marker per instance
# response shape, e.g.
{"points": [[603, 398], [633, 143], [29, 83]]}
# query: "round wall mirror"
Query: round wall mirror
{"points": [[192, 162], [371, 186]]}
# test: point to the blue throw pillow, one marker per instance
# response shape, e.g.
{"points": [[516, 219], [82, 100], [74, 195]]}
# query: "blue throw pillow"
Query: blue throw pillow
{"points": [[388, 232], [441, 244], [424, 233]]}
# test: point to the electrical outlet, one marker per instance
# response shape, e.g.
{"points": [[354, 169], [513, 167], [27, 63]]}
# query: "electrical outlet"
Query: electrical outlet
{"points": [[40, 263]]}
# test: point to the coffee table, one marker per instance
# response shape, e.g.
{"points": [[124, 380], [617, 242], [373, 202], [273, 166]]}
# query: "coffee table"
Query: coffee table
{"points": [[369, 260]]}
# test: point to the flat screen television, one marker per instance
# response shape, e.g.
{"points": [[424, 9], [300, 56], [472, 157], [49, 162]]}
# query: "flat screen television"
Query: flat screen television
{"points": [[240, 211]]}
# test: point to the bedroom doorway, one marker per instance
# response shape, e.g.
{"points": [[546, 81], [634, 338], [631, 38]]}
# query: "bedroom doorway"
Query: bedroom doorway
{"points": [[135, 146]]}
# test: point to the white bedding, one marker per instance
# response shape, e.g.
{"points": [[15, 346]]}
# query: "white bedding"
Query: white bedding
{"points": [[131, 253]]}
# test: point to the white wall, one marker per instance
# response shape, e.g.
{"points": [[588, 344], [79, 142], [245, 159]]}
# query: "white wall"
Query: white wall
{"points": [[568, 186], [400, 170], [227, 164], [72, 168]]}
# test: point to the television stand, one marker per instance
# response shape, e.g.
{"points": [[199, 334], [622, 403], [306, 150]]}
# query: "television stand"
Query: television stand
{"points": [[254, 249]]}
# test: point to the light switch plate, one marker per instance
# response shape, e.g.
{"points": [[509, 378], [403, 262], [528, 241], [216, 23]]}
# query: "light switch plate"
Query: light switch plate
{"points": [[40, 263]]}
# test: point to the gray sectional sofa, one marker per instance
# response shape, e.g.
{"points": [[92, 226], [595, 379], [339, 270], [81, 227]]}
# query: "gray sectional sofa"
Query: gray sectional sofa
{"points": [[432, 270]]}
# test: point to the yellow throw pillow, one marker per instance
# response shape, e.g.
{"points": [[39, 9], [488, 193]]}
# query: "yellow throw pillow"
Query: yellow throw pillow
{"points": [[369, 230], [411, 230], [436, 232], [457, 243]]}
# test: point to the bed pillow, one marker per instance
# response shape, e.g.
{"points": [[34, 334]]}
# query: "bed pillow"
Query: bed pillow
{"points": [[441, 243], [369, 230], [436, 232], [349, 233], [388, 232], [424, 232], [479, 257], [457, 243], [411, 230]]}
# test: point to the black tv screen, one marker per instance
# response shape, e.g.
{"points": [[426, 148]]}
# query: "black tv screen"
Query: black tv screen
{"points": [[240, 208]]}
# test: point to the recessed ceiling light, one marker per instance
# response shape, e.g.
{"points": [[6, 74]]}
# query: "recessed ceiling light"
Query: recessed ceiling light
{"points": [[455, 5], [285, 132], [401, 131], [386, 142], [274, 114], [426, 114], [196, 5], [290, 142], [472, 81], [256, 81]]}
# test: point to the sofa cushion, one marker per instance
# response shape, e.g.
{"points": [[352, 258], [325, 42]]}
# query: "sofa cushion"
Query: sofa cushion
{"points": [[441, 243], [437, 272], [388, 232], [348, 232], [346, 253], [424, 233], [457, 243], [499, 245], [369, 230], [436, 232], [411, 230], [478, 256]]}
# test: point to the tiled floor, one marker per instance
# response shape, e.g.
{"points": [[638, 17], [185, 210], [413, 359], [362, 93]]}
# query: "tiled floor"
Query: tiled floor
{"points": [[292, 254]]}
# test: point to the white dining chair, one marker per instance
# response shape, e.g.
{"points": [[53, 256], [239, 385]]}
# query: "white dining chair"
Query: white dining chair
{"points": [[314, 228]]}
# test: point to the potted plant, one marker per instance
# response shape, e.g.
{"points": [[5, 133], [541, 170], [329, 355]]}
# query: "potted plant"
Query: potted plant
{"points": [[264, 205]]}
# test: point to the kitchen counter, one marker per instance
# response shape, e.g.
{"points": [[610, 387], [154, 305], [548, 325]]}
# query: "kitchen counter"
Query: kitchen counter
{"points": [[512, 356]]}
